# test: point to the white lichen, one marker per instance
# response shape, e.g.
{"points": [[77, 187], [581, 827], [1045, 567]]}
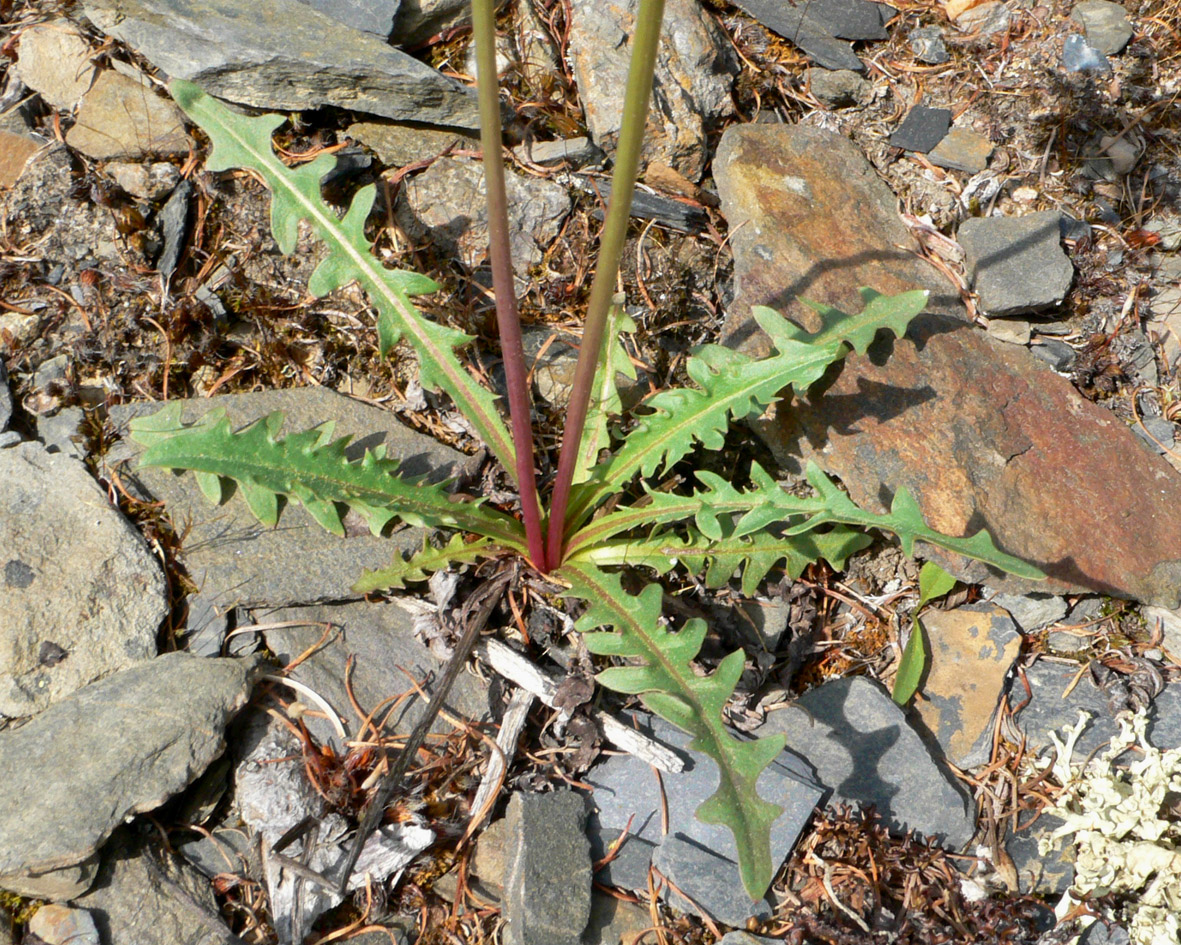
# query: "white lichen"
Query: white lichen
{"points": [[1116, 817]]}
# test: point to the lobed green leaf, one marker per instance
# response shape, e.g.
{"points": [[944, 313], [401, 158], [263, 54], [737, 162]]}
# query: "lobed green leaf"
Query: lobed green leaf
{"points": [[733, 386], [240, 141], [666, 682], [310, 468], [420, 565]]}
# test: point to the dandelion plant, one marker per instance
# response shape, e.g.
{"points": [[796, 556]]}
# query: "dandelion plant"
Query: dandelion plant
{"points": [[586, 532]]}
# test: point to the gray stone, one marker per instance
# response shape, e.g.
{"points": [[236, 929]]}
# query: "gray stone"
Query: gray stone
{"points": [[5, 398], [122, 118], [814, 26], [445, 203], [399, 144], [284, 56], [119, 747], [174, 229], [368, 16], [1106, 25], [148, 181], [745, 938], [1117, 155], [222, 850], [1077, 56], [54, 60], [83, 596], [1039, 874], [1058, 354], [1064, 641], [615, 921], [962, 150], [711, 877], [577, 152], [841, 88], [928, 46], [9, 438], [1169, 622], [1031, 611], [235, 561], [150, 899], [389, 659], [1157, 433], [1101, 932], [1048, 710], [863, 747], [691, 85], [61, 925], [419, 20], [922, 129], [628, 795], [1016, 264], [548, 869], [61, 432], [674, 214]]}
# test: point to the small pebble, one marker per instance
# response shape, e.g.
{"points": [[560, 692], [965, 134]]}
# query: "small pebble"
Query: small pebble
{"points": [[1058, 354], [928, 46], [60, 925], [1077, 56]]}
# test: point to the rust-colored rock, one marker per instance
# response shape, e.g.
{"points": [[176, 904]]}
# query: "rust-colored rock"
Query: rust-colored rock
{"points": [[982, 434]]}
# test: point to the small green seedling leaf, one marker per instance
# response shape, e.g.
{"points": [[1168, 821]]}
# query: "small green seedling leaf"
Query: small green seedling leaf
{"points": [[916, 655], [423, 563]]}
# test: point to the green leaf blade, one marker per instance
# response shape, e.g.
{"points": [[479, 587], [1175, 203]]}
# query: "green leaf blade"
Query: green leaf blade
{"points": [[668, 684], [243, 142]]}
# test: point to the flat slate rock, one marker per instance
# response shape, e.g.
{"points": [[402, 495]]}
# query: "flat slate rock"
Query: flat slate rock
{"points": [[284, 56], [388, 657], [81, 596], [921, 129], [1016, 264], [972, 650], [368, 16], [688, 865], [119, 747], [864, 748], [547, 869], [148, 898], [816, 27], [626, 790], [1023, 454], [235, 561], [962, 150], [675, 214], [1051, 709]]}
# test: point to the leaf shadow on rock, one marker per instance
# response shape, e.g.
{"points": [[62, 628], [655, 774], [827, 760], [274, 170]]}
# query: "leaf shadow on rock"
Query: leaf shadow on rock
{"points": [[866, 749]]}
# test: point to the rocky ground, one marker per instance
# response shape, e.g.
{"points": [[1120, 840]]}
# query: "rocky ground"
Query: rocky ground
{"points": [[191, 706]]}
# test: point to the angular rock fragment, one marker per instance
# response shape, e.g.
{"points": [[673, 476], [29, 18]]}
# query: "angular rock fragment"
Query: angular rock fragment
{"points": [[55, 60], [16, 150], [284, 56], [810, 218], [144, 896], [691, 90], [119, 747], [368, 16], [122, 118], [972, 650], [1016, 264], [81, 596], [235, 561], [689, 866], [922, 129], [1106, 25], [815, 26], [548, 869], [445, 203], [61, 925], [864, 749]]}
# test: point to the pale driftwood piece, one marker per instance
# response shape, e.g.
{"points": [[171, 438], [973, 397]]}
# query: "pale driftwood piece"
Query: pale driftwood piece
{"points": [[510, 731], [516, 668]]}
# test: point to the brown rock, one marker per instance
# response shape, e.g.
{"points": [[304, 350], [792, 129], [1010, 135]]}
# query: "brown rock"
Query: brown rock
{"points": [[121, 118], [15, 153], [54, 59], [982, 434], [972, 649]]}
